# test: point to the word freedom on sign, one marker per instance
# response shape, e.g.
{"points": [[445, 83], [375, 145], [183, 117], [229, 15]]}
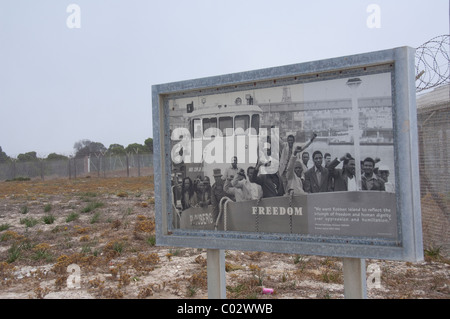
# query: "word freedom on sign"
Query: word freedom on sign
{"points": [[260, 210]]}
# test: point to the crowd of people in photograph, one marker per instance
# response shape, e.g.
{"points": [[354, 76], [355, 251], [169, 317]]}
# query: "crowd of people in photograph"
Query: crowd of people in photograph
{"points": [[293, 177]]}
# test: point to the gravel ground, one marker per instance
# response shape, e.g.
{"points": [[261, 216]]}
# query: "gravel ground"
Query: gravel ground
{"points": [[93, 238]]}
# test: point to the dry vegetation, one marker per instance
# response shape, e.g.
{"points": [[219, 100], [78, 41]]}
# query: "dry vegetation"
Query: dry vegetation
{"points": [[107, 228]]}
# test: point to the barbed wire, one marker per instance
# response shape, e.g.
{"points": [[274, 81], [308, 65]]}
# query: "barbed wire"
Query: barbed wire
{"points": [[433, 63]]}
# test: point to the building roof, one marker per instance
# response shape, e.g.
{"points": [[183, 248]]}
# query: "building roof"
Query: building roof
{"points": [[436, 99]]}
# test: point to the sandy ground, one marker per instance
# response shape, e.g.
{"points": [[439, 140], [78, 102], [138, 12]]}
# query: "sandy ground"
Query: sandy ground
{"points": [[92, 238]]}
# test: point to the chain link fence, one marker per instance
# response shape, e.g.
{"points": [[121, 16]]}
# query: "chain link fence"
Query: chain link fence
{"points": [[132, 165], [433, 119]]}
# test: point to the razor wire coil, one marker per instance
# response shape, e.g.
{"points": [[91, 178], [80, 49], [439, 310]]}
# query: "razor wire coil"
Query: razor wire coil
{"points": [[433, 63]]}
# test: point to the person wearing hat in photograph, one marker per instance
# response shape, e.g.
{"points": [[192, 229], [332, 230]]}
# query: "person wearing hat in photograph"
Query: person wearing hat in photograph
{"points": [[383, 171], [217, 192]]}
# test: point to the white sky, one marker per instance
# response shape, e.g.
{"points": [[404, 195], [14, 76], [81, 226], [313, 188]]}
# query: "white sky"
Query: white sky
{"points": [[60, 85]]}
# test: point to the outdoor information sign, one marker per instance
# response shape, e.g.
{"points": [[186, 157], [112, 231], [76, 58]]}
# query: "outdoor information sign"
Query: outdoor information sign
{"points": [[313, 158]]}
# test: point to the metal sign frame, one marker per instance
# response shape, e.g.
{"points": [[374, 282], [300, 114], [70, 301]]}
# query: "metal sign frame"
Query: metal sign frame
{"points": [[408, 246]]}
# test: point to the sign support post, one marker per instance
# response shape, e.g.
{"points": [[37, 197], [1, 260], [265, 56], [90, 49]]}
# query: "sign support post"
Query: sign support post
{"points": [[355, 278], [216, 274]]}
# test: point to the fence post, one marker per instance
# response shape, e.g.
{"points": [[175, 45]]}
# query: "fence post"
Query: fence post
{"points": [[42, 169], [75, 168], [98, 165], [14, 169], [128, 167], [139, 165], [103, 166]]}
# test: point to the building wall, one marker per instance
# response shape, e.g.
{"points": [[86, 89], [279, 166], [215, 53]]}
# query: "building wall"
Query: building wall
{"points": [[434, 163]]}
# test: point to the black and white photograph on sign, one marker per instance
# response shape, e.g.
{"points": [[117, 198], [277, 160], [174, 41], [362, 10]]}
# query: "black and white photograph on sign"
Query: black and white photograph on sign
{"points": [[312, 158]]}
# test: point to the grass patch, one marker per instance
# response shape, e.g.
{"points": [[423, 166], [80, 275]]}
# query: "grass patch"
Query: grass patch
{"points": [[118, 247], [47, 208], [331, 277], [43, 255], [151, 240], [434, 254], [114, 248], [29, 221], [86, 249], [72, 216], [191, 291], [92, 206], [88, 194], [48, 219], [18, 179], [246, 289], [258, 273], [14, 253], [42, 252], [7, 235], [95, 218], [4, 227]]}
